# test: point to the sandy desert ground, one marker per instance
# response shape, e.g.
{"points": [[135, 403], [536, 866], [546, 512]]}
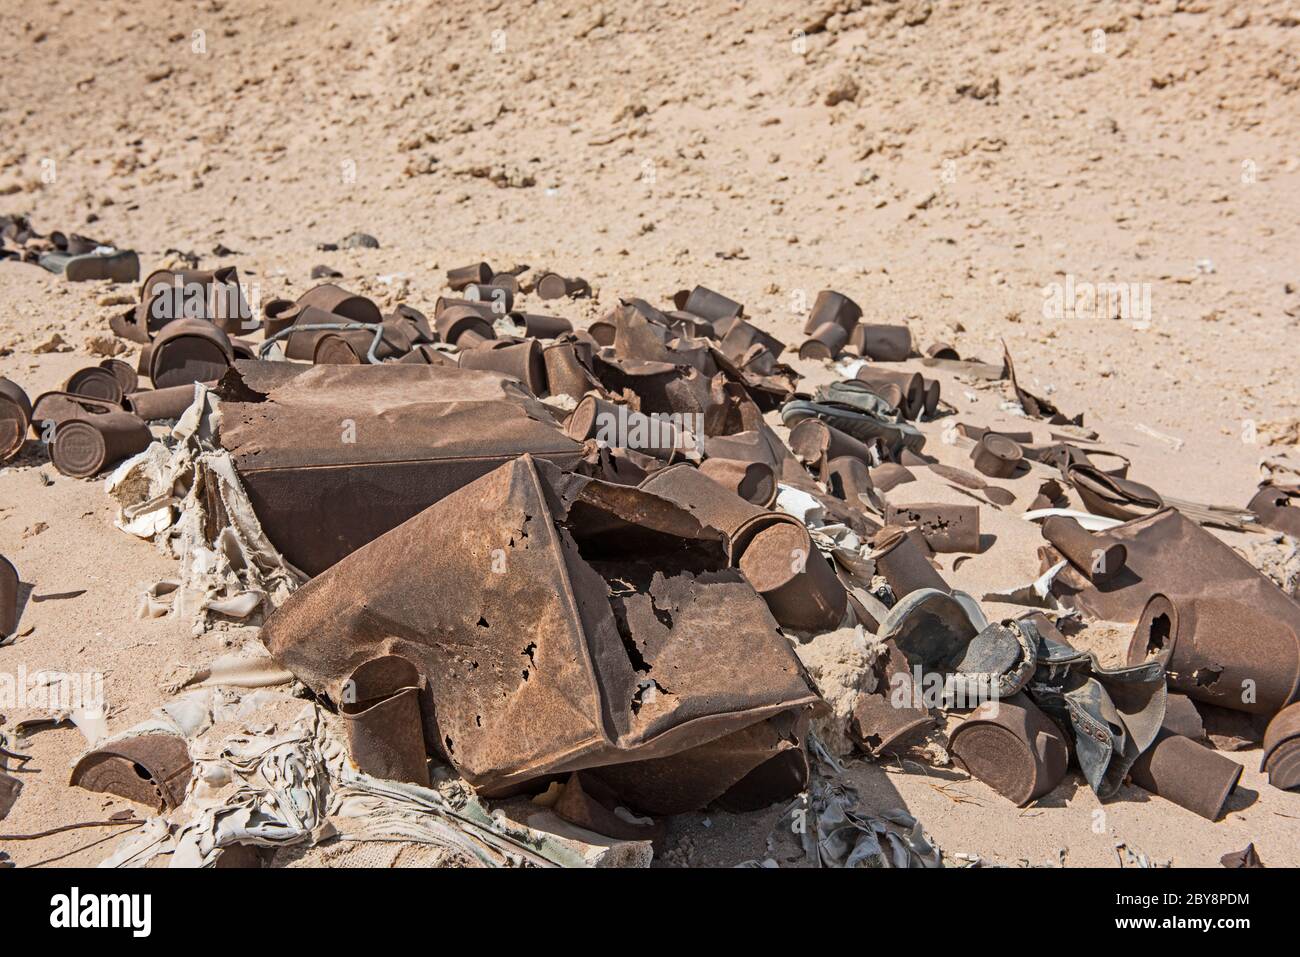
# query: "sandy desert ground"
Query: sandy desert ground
{"points": [[940, 162]]}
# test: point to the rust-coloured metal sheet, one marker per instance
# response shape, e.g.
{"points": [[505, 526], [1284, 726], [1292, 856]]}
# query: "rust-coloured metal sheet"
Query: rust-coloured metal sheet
{"points": [[946, 528], [334, 456], [559, 623], [1168, 553]]}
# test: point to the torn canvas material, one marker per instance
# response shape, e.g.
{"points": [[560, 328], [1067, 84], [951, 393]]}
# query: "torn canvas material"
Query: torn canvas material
{"points": [[228, 567]]}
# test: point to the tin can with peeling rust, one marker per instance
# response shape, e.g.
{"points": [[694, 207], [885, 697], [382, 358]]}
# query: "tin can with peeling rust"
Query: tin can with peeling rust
{"points": [[996, 455], [903, 563], [1013, 747], [1189, 774], [1096, 556], [1220, 651], [85, 447]]}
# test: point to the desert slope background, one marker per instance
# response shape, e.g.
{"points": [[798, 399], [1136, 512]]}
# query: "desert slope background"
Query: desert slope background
{"points": [[940, 162]]}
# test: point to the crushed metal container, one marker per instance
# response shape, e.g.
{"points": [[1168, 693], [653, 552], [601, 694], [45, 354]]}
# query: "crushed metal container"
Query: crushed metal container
{"points": [[561, 623], [334, 456]]}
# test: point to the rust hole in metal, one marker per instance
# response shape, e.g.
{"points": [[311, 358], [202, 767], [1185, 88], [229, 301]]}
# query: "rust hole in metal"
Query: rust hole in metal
{"points": [[1158, 634], [1204, 677], [662, 614], [646, 693]]}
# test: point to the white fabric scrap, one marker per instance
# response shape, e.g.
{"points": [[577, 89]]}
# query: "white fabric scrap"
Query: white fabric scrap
{"points": [[1093, 523], [1036, 594], [289, 788], [800, 504], [161, 496]]}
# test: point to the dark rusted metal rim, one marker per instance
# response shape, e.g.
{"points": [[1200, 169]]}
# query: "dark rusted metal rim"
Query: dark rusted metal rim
{"points": [[996, 455], [1284, 727], [126, 376], [96, 382], [1159, 623], [189, 332]]}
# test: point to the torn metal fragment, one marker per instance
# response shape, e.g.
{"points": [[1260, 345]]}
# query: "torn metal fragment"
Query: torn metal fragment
{"points": [[151, 769], [304, 442], [946, 528]]}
